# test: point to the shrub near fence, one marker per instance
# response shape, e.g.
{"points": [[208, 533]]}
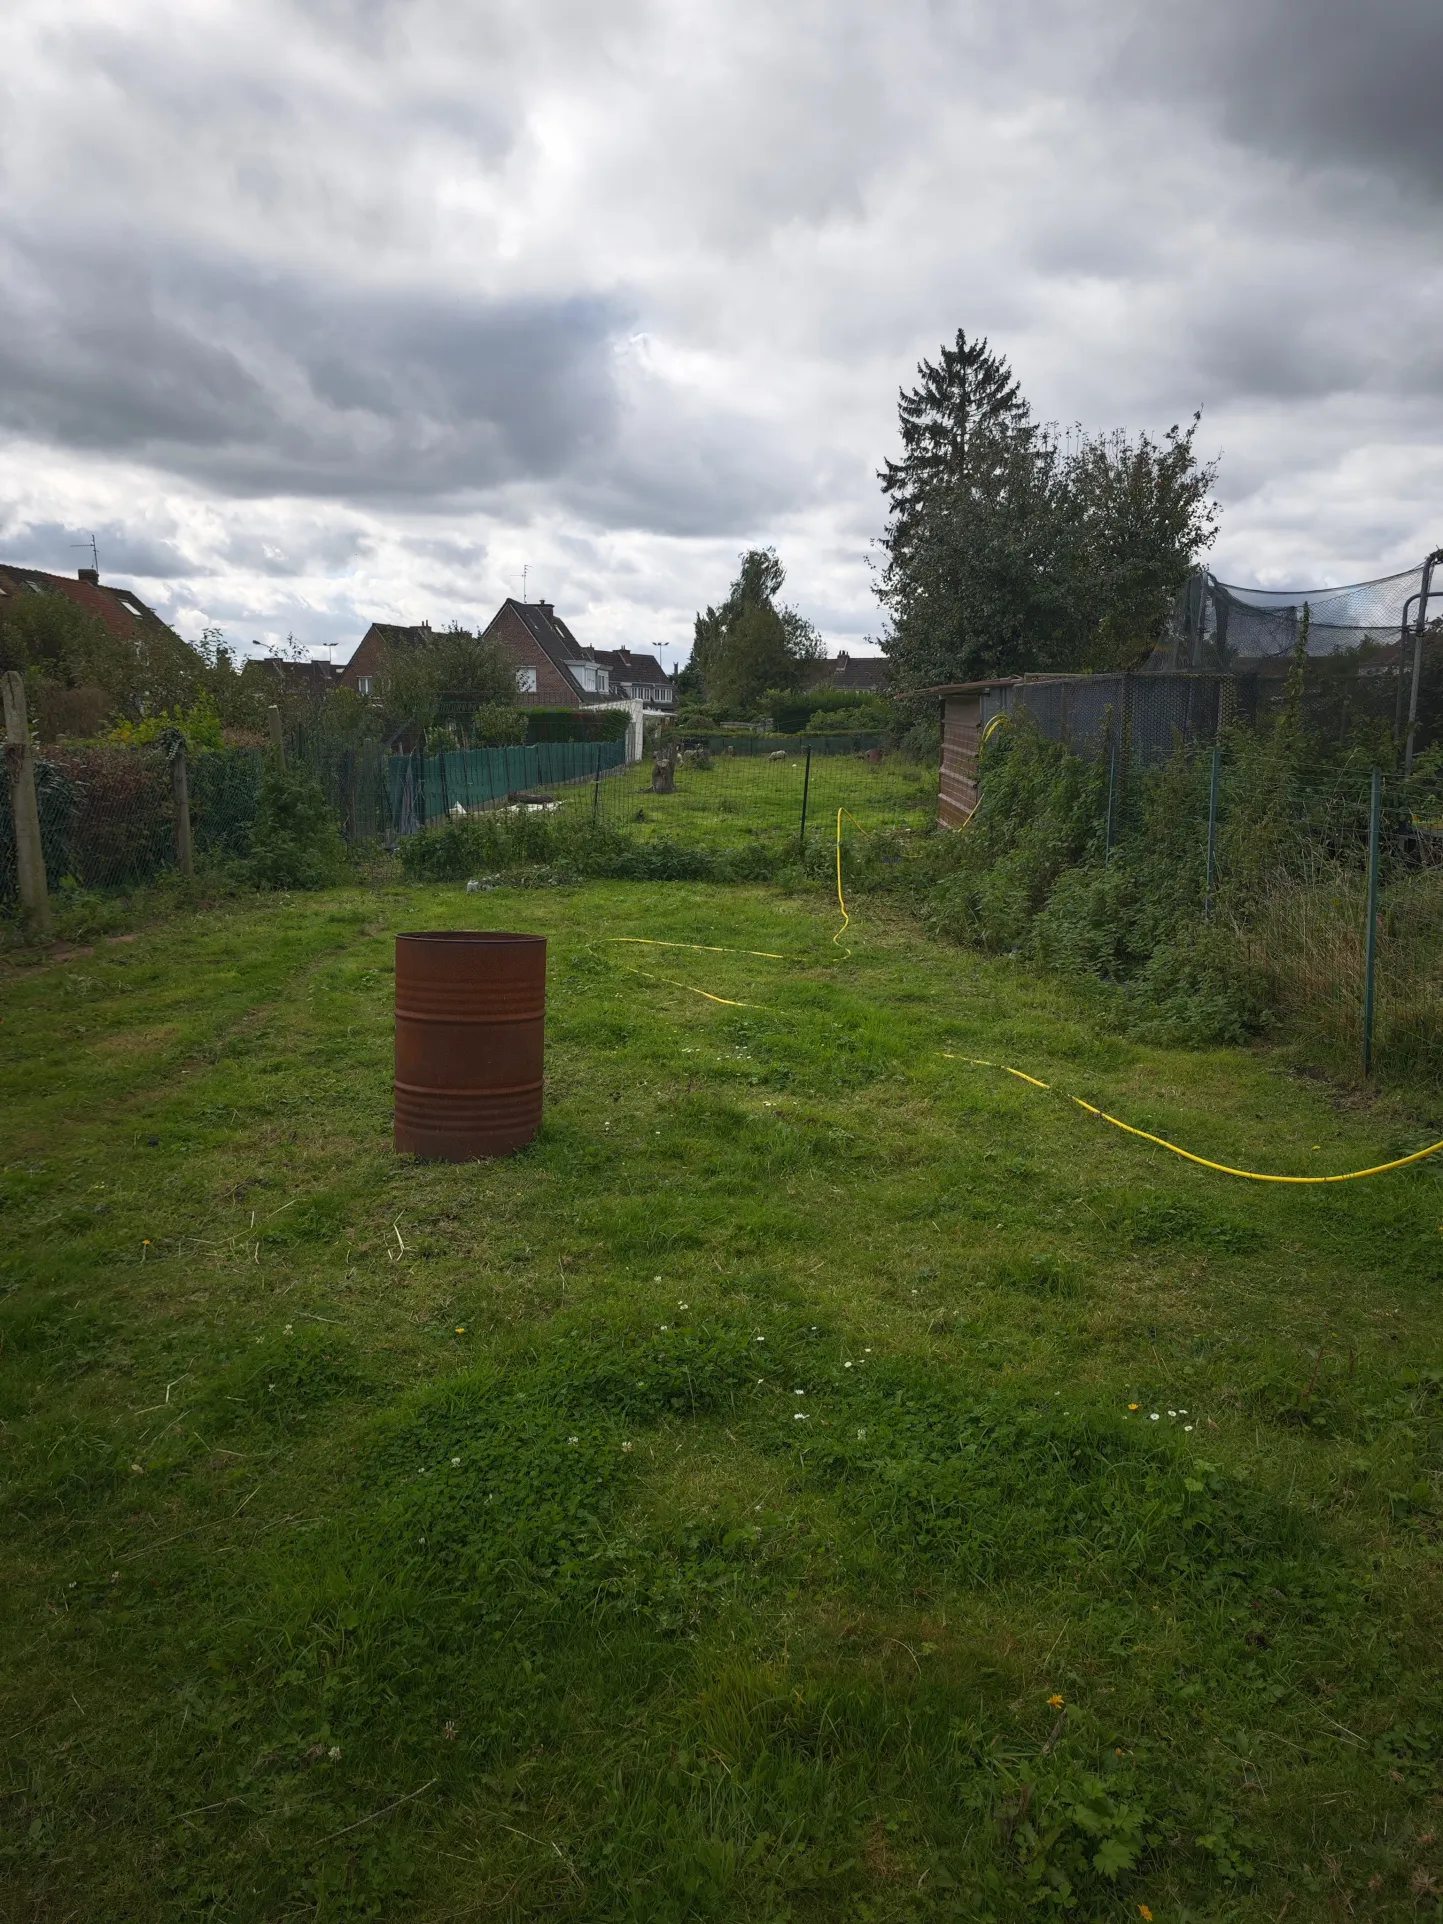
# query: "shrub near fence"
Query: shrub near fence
{"points": [[107, 814], [1102, 872]]}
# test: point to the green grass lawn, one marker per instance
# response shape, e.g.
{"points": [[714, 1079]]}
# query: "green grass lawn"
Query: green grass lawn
{"points": [[819, 1479], [751, 795]]}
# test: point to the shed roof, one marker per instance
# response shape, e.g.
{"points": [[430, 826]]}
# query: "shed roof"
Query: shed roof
{"points": [[973, 687]]}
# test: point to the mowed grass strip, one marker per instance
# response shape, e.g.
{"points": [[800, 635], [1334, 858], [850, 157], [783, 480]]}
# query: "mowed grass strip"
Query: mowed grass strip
{"points": [[736, 797], [818, 1478]]}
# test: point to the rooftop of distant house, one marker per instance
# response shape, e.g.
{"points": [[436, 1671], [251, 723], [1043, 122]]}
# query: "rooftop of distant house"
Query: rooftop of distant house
{"points": [[119, 608], [859, 674], [586, 675]]}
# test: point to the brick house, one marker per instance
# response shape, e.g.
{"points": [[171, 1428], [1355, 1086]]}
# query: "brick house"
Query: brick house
{"points": [[122, 610], [553, 669], [639, 677], [302, 681]]}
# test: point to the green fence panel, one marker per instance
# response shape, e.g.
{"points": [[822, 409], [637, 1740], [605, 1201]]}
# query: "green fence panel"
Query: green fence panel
{"points": [[423, 788]]}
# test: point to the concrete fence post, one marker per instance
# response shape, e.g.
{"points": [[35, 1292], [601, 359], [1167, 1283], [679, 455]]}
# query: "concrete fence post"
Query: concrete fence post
{"points": [[180, 789], [278, 738], [24, 808]]}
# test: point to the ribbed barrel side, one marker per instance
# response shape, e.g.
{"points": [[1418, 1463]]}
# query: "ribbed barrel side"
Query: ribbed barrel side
{"points": [[470, 1042]]}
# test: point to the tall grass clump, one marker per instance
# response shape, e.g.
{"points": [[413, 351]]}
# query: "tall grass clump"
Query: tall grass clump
{"points": [[1033, 875], [565, 847]]}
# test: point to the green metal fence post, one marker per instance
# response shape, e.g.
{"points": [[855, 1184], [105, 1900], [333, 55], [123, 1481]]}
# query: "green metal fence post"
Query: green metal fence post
{"points": [[596, 789], [1212, 835], [806, 787], [1111, 785], [1370, 951]]}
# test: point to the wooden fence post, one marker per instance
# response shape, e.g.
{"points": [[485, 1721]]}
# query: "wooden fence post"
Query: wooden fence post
{"points": [[180, 789], [24, 808]]}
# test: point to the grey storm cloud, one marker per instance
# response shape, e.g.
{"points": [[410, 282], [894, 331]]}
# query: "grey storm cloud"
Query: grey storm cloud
{"points": [[383, 299], [250, 381], [1335, 83]]}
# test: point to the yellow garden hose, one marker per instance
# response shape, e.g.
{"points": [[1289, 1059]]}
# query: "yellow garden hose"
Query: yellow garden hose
{"points": [[1222, 1168], [978, 1062]]}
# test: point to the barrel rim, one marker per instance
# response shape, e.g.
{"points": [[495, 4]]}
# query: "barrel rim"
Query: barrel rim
{"points": [[482, 937]]}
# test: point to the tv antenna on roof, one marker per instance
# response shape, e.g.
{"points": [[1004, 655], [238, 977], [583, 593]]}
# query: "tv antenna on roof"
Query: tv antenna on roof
{"points": [[525, 571], [89, 542]]}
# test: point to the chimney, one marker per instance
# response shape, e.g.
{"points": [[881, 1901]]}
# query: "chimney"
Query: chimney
{"points": [[547, 608], [92, 575]]}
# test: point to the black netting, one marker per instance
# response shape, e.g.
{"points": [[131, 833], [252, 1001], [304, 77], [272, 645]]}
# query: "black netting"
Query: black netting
{"points": [[1219, 627]]}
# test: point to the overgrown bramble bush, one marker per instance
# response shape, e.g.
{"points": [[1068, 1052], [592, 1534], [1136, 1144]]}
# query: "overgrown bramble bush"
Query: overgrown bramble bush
{"points": [[296, 839], [566, 848], [1032, 875]]}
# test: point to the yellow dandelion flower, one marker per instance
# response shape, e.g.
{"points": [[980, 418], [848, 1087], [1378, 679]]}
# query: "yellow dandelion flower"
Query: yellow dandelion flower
{"points": [[1056, 1701], [1144, 1913], [1134, 1406]]}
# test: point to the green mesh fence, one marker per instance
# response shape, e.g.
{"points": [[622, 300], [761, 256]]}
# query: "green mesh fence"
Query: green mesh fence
{"points": [[425, 788]]}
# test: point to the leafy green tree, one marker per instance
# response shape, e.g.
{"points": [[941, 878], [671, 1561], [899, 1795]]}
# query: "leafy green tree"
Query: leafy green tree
{"points": [[66, 645], [750, 645], [496, 726], [453, 673], [977, 526], [1005, 553], [1142, 513]]}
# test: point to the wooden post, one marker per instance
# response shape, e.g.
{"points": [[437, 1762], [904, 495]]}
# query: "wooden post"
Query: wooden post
{"points": [[806, 789], [24, 808], [180, 789], [278, 739]]}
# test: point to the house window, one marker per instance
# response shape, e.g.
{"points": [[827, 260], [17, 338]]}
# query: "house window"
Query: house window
{"points": [[526, 681], [364, 684]]}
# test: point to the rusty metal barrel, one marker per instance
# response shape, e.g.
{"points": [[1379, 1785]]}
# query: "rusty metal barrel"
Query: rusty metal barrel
{"points": [[470, 1034]]}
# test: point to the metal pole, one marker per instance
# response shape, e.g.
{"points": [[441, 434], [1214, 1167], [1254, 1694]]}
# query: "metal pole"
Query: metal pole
{"points": [[1111, 781], [24, 808], [596, 791], [1403, 630], [1370, 950], [806, 787], [180, 790], [1419, 628], [1212, 834]]}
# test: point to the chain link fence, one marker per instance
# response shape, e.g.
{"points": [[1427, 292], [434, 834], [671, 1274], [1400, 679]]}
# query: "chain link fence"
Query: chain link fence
{"points": [[723, 800], [1271, 880], [109, 816]]}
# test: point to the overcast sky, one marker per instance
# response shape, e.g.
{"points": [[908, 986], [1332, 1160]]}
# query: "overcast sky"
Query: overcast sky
{"points": [[336, 310]]}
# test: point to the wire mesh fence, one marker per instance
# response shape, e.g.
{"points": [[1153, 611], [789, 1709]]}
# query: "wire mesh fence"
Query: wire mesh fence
{"points": [[108, 814], [723, 800], [1319, 879]]}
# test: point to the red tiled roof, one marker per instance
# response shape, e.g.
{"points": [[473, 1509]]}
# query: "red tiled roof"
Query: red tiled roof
{"points": [[119, 608]]}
